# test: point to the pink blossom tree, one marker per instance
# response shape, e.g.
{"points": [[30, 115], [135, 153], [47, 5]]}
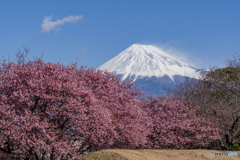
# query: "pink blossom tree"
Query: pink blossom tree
{"points": [[123, 102], [46, 108], [176, 124]]}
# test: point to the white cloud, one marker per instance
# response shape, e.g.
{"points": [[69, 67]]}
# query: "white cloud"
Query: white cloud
{"points": [[49, 25]]}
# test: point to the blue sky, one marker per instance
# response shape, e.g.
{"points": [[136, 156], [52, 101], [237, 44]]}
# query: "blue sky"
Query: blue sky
{"points": [[200, 33]]}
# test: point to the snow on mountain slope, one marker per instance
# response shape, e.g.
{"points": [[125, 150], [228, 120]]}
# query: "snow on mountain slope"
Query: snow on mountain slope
{"points": [[140, 61]]}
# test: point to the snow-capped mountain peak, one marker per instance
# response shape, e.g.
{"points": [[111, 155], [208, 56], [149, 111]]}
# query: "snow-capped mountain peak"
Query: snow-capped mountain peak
{"points": [[146, 61]]}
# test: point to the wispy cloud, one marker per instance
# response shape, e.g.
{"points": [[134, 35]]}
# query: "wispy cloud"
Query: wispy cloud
{"points": [[49, 25], [178, 54], [82, 52]]}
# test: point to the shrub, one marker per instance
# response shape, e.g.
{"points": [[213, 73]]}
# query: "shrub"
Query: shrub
{"points": [[236, 146]]}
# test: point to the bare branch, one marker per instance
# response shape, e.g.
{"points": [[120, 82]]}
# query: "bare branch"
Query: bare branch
{"points": [[215, 96]]}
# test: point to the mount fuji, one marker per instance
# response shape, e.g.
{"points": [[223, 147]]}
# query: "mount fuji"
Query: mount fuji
{"points": [[150, 68]]}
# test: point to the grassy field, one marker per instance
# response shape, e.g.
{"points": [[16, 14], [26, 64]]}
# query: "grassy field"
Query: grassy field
{"points": [[148, 154]]}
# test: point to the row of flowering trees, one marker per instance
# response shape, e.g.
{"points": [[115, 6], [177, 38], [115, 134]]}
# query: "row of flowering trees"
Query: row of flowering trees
{"points": [[45, 106]]}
